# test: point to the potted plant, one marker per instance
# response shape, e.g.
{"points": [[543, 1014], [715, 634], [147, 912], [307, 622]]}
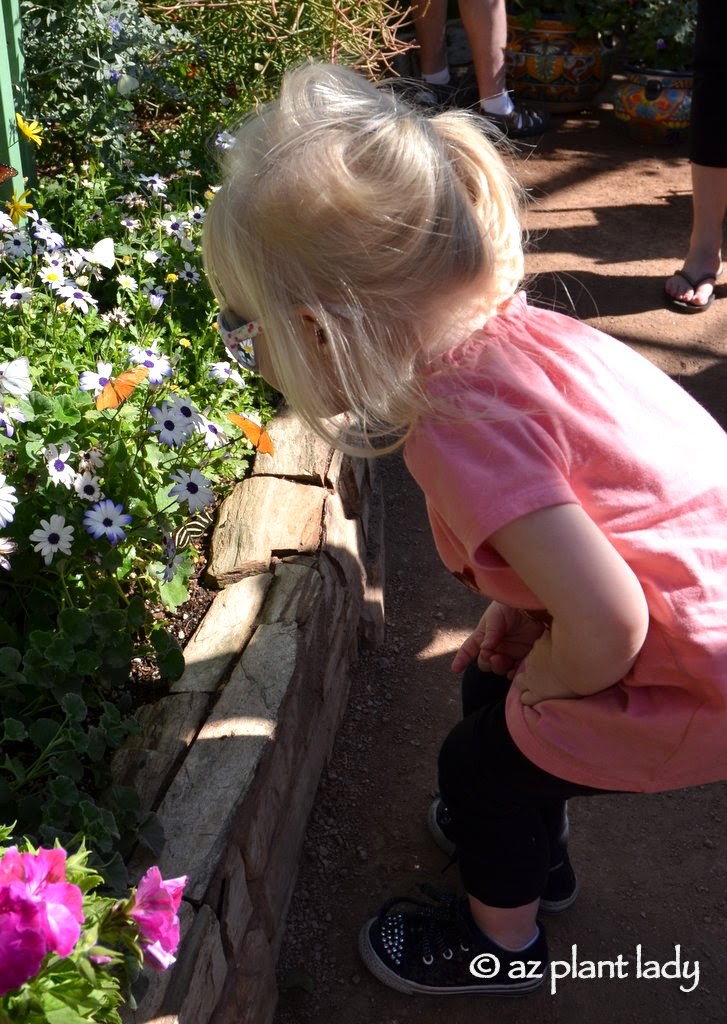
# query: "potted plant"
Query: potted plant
{"points": [[654, 102], [560, 54]]}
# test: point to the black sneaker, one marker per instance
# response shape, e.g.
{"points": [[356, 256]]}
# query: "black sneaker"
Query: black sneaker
{"points": [[561, 889], [436, 948]]}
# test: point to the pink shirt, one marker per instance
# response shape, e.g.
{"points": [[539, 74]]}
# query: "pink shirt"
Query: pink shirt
{"points": [[553, 411]]}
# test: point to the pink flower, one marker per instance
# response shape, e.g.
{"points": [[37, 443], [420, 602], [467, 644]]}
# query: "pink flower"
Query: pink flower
{"points": [[41, 878], [22, 943], [154, 909]]}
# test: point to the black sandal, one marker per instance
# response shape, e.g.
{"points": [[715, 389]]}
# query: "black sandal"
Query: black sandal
{"points": [[520, 123], [681, 305]]}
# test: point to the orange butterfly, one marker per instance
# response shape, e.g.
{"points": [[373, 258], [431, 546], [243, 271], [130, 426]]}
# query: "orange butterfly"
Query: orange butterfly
{"points": [[120, 388], [256, 434]]}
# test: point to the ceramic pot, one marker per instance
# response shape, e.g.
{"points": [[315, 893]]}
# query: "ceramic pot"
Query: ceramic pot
{"points": [[655, 105], [549, 65]]}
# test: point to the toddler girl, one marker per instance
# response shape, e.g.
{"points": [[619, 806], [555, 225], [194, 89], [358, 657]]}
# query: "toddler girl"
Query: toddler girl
{"points": [[367, 261]]}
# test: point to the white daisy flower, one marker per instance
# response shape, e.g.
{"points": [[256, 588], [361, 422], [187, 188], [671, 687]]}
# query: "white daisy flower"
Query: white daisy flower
{"points": [[96, 382], [57, 463], [16, 246], [76, 296], [171, 430], [193, 488], [52, 276], [8, 501], [128, 282], [188, 273], [7, 547], [117, 316], [108, 520], [157, 364], [213, 435], [15, 295], [156, 184], [52, 536], [88, 487], [224, 372], [91, 460], [7, 415]]}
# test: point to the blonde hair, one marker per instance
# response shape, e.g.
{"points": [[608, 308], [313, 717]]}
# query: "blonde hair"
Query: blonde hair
{"points": [[342, 202]]}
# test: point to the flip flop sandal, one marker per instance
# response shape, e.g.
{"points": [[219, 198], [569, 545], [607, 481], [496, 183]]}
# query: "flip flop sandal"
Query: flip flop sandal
{"points": [[520, 123], [692, 307]]}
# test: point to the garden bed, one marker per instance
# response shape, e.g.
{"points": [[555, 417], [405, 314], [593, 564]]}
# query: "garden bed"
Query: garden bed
{"points": [[230, 759]]}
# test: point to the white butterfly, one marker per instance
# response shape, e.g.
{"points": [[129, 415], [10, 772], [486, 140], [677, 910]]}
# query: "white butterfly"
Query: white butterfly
{"points": [[15, 378], [102, 254]]}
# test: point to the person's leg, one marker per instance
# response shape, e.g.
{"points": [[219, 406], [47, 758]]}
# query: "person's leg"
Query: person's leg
{"points": [[430, 23], [708, 154], [507, 821], [485, 22], [709, 205]]}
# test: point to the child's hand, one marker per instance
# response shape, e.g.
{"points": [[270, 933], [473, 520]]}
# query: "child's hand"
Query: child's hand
{"points": [[502, 639], [535, 678]]}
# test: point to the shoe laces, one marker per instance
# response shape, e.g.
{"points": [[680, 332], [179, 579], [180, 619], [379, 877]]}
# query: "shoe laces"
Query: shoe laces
{"points": [[441, 924]]}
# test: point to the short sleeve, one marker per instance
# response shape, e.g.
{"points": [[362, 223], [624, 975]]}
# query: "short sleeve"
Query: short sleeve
{"points": [[481, 473]]}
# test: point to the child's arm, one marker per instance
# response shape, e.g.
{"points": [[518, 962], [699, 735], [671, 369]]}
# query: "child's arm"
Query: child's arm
{"points": [[600, 615]]}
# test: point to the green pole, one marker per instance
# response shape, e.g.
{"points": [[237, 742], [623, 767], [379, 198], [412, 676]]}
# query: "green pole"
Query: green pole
{"points": [[14, 151]]}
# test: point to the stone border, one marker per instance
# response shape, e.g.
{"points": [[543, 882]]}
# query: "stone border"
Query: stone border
{"points": [[230, 760]]}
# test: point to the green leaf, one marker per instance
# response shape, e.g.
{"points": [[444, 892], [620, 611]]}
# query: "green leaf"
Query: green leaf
{"points": [[174, 593], [87, 662], [136, 612], [15, 731], [75, 625], [74, 706], [43, 731], [64, 790], [96, 744], [65, 410], [10, 660], [168, 652], [68, 764]]}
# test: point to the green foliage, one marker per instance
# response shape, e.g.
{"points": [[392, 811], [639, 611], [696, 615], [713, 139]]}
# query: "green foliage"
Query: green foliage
{"points": [[89, 984], [246, 46], [655, 33], [93, 64], [104, 276]]}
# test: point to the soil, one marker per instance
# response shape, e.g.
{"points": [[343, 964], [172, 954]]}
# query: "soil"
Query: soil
{"points": [[609, 221]]}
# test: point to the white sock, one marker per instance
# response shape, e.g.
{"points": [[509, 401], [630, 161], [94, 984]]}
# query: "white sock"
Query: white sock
{"points": [[438, 78], [515, 949], [501, 104]]}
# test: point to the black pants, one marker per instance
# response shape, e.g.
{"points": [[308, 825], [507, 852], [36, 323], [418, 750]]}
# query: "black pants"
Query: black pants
{"points": [[508, 815], [708, 136]]}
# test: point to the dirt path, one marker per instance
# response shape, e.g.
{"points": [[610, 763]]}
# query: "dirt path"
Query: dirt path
{"points": [[610, 220]]}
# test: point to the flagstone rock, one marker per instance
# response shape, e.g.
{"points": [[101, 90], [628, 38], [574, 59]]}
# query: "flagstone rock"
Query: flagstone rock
{"points": [[231, 759]]}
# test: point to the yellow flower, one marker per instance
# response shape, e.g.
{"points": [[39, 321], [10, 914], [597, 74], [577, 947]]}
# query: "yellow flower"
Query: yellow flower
{"points": [[185, 342], [171, 278], [32, 130], [17, 207]]}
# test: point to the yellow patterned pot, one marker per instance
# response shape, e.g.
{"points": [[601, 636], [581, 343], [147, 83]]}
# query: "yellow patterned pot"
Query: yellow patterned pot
{"points": [[547, 63], [655, 105]]}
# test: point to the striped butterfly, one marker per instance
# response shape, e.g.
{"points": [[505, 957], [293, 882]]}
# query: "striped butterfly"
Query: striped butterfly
{"points": [[193, 529]]}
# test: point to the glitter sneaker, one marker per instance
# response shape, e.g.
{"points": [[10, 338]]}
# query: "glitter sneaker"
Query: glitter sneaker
{"points": [[437, 949], [561, 889]]}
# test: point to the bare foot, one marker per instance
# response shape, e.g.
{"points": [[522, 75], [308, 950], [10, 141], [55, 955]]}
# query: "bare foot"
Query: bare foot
{"points": [[693, 286]]}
